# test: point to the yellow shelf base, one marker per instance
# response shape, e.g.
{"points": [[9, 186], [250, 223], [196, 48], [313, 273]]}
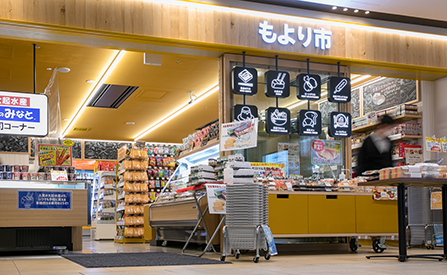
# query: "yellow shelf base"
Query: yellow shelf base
{"points": [[130, 240]]}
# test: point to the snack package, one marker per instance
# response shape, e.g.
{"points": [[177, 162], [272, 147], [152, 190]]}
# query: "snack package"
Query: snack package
{"points": [[128, 176], [155, 150], [150, 150], [127, 165], [136, 165], [153, 161], [157, 184], [159, 161], [144, 187], [152, 184], [144, 176]]}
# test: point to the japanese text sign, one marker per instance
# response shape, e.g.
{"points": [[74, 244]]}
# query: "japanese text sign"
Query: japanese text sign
{"points": [[309, 122], [44, 200], [309, 86], [244, 81], [327, 152], [23, 114], [340, 125], [277, 84], [433, 144], [291, 35], [277, 121], [59, 155], [339, 89], [216, 195]]}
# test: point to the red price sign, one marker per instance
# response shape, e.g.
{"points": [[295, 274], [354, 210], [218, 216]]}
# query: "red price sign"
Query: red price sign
{"points": [[318, 145]]}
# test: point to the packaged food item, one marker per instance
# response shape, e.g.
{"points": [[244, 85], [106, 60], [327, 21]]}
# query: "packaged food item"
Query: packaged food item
{"points": [[25, 176], [150, 150], [165, 161], [157, 184], [160, 173], [143, 164], [2, 168], [2, 175], [159, 161], [9, 176], [41, 176], [128, 176], [153, 161], [144, 187], [151, 184], [127, 165], [24, 168], [155, 173], [16, 175], [136, 165], [144, 176]]}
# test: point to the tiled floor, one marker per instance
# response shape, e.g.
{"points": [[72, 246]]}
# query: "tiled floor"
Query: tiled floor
{"points": [[301, 263]]}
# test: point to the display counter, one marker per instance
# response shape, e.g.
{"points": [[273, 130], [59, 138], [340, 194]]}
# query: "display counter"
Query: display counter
{"points": [[37, 215], [330, 214]]}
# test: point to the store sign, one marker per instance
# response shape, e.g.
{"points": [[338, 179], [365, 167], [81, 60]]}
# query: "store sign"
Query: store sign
{"points": [[44, 200], [244, 81], [309, 123], [322, 39], [277, 121], [59, 175], [68, 142], [244, 112], [340, 125], [239, 135], [326, 152], [277, 84], [54, 155], [216, 195], [309, 86], [339, 89], [433, 144], [23, 114]]}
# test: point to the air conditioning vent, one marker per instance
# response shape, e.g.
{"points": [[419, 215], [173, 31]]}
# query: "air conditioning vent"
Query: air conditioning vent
{"points": [[111, 96], [79, 129]]}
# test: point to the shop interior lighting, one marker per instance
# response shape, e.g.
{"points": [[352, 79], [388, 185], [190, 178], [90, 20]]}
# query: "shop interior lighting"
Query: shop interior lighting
{"points": [[356, 11], [366, 12], [345, 9], [298, 19], [174, 114], [334, 7], [358, 79], [107, 71]]}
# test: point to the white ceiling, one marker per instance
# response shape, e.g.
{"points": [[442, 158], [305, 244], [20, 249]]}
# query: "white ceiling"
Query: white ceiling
{"points": [[430, 9]]}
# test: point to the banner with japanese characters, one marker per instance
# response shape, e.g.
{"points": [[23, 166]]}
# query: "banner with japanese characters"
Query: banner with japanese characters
{"points": [[54, 155], [216, 195], [44, 200], [239, 135], [23, 114]]}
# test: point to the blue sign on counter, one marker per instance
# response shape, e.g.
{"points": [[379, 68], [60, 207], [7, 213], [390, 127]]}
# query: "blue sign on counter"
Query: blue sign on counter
{"points": [[44, 200]]}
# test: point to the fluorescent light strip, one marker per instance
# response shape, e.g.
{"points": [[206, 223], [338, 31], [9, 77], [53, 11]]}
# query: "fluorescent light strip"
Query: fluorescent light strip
{"points": [[109, 69], [174, 114], [358, 79], [298, 19]]}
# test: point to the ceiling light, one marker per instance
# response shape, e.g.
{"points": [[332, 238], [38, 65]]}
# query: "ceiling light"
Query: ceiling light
{"points": [[49, 69], [65, 119], [63, 70], [366, 12], [345, 9], [108, 70], [130, 123], [356, 11], [174, 114], [334, 7], [90, 81], [363, 77]]}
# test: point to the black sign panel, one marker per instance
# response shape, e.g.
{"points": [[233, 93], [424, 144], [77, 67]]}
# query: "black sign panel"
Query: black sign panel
{"points": [[244, 81], [277, 84], [340, 125], [309, 86], [339, 89], [277, 121], [244, 112], [309, 123]]}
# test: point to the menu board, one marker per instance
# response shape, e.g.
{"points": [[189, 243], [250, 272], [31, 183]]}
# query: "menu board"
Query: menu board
{"points": [[13, 144], [355, 103], [387, 93]]}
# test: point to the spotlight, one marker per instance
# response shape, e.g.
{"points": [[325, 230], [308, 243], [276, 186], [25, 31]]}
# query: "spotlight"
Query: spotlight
{"points": [[334, 7], [345, 9]]}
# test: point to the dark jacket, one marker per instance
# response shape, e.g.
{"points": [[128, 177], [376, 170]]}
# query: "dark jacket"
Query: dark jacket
{"points": [[369, 157]]}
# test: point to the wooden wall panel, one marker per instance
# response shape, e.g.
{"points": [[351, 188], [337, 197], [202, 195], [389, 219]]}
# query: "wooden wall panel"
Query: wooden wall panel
{"points": [[190, 25], [10, 216]]}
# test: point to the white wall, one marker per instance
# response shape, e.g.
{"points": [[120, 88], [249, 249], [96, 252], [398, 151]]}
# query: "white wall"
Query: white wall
{"points": [[440, 107], [11, 159]]}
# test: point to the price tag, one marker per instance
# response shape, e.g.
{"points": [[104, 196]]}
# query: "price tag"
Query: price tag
{"points": [[289, 186]]}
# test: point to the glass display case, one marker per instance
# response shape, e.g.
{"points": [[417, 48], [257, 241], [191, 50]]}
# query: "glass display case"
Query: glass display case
{"points": [[103, 205]]}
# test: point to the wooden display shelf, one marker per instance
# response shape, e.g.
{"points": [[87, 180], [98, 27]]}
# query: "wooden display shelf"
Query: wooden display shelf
{"points": [[397, 137], [199, 149], [397, 119]]}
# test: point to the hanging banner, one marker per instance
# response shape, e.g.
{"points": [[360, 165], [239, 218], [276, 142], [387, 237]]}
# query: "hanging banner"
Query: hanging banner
{"points": [[276, 170], [277, 84], [239, 135], [23, 114], [244, 81], [277, 121], [244, 112], [433, 144], [54, 155], [309, 123], [327, 152], [309, 86], [216, 195], [339, 89], [340, 125]]}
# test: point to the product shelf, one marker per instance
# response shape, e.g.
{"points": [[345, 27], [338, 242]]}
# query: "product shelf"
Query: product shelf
{"points": [[397, 119], [121, 208], [198, 149]]}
